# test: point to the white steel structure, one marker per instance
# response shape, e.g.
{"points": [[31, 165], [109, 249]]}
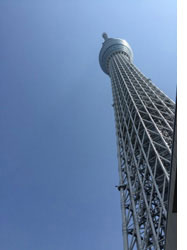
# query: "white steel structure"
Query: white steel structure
{"points": [[144, 118]]}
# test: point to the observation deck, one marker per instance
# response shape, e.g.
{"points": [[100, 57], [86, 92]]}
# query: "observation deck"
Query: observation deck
{"points": [[110, 47]]}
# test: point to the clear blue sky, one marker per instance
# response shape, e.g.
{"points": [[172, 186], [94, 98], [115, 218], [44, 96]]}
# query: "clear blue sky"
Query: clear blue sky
{"points": [[58, 146]]}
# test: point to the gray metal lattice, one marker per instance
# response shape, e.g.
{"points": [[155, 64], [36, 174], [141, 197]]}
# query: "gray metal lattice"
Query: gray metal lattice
{"points": [[144, 128]]}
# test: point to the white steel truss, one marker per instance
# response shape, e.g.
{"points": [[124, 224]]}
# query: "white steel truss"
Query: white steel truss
{"points": [[144, 118]]}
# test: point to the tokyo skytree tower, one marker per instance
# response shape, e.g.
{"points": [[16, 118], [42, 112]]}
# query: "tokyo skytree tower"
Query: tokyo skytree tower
{"points": [[144, 118]]}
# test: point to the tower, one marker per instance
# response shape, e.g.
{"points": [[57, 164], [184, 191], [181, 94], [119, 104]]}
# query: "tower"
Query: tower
{"points": [[144, 118]]}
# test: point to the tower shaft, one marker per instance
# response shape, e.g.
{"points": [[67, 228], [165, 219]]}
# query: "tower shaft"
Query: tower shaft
{"points": [[144, 126], [144, 118]]}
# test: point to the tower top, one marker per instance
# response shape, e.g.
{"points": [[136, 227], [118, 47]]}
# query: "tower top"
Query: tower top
{"points": [[110, 47], [105, 36]]}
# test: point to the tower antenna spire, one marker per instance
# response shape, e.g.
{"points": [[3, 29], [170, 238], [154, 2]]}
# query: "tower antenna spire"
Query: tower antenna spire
{"points": [[105, 36]]}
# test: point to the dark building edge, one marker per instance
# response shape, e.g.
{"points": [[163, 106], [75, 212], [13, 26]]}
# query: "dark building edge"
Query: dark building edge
{"points": [[171, 230]]}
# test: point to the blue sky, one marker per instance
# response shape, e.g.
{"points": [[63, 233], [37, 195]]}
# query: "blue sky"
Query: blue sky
{"points": [[58, 147]]}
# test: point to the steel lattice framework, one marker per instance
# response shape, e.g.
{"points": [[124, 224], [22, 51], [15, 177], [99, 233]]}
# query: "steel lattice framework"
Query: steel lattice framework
{"points": [[144, 118]]}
